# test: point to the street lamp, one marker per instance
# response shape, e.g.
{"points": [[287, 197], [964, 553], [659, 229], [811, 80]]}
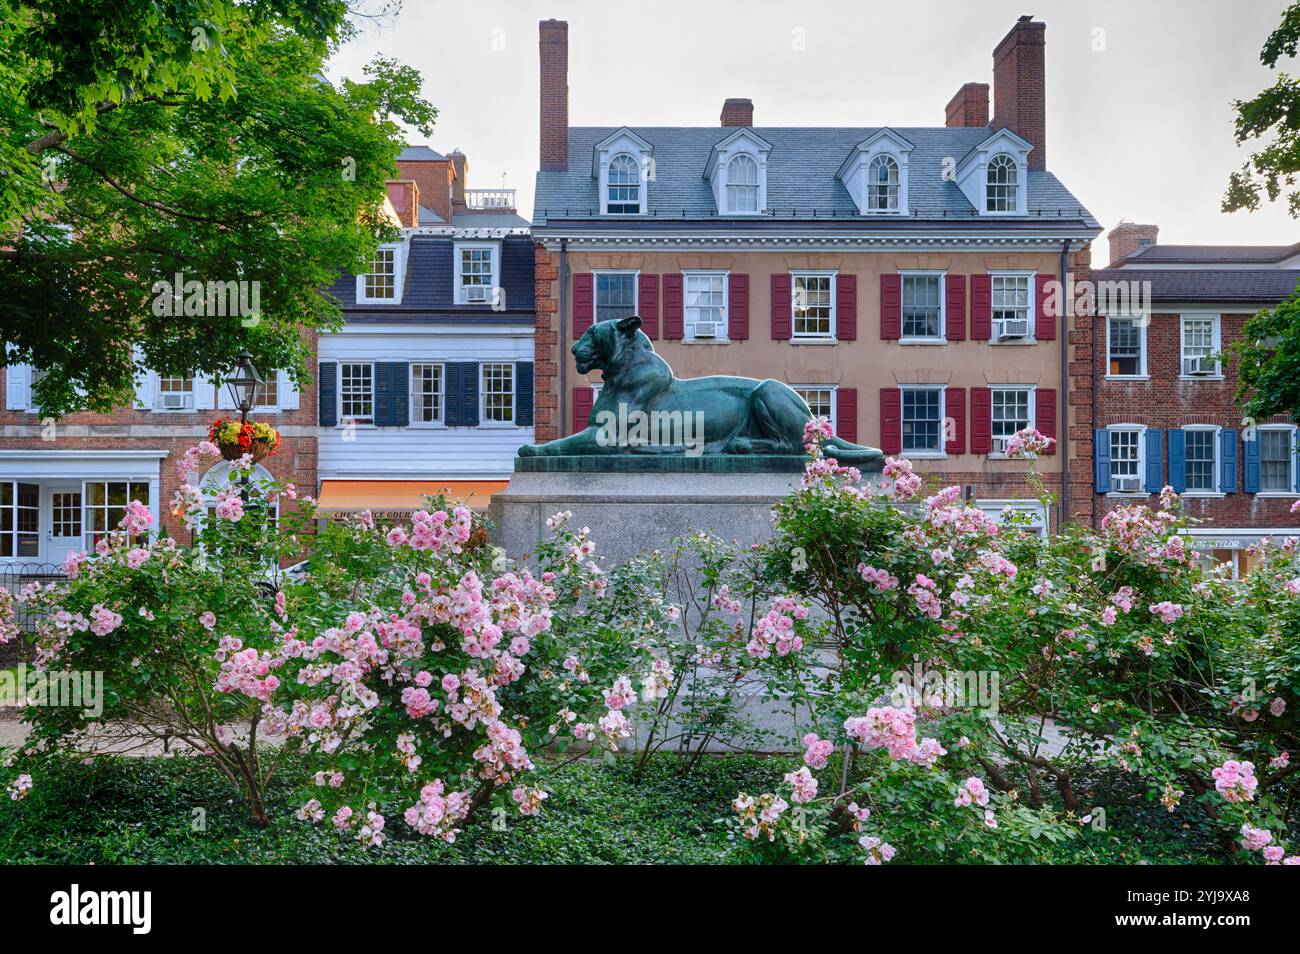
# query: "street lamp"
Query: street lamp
{"points": [[244, 384]]}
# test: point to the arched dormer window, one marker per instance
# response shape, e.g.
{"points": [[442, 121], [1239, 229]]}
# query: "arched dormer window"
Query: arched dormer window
{"points": [[882, 184], [1002, 184], [624, 184], [742, 184]]}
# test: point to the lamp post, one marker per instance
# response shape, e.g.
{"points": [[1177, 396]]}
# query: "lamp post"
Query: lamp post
{"points": [[243, 384]]}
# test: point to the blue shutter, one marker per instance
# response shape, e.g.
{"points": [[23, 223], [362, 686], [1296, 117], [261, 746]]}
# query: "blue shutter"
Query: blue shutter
{"points": [[462, 394], [1250, 457], [1178, 459], [327, 401], [524, 393], [1155, 463], [1101, 461], [1228, 460], [392, 394]]}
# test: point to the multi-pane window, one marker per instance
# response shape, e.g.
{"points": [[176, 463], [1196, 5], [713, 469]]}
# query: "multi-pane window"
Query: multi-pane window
{"points": [[615, 295], [106, 502], [268, 392], [1125, 459], [742, 184], [476, 278], [922, 312], [175, 392], [1002, 184], [812, 306], [1010, 306], [20, 519], [1125, 355], [1200, 342], [821, 401], [706, 305], [357, 391], [381, 281], [499, 392], [1201, 460], [426, 393], [922, 419], [1010, 413], [882, 184], [65, 513], [1276, 452], [624, 196]]}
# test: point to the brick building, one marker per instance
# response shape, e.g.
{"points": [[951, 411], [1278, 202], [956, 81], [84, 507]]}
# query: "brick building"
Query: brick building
{"points": [[899, 279], [1165, 382]]}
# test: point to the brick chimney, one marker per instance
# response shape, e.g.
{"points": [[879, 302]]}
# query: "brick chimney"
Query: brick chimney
{"points": [[459, 165], [433, 178], [404, 194], [1020, 86], [1127, 237], [738, 112], [553, 53], [969, 106]]}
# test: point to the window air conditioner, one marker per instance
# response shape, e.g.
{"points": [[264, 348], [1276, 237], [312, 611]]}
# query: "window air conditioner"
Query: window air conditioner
{"points": [[707, 329], [476, 292], [1127, 484], [1000, 445], [176, 400], [1202, 365], [1011, 328]]}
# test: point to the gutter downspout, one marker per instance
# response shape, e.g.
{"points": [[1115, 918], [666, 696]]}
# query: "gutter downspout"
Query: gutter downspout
{"points": [[562, 356], [1063, 418]]}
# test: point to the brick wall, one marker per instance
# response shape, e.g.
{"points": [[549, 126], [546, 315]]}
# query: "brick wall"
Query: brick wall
{"points": [[969, 106], [1020, 86], [545, 344], [433, 178], [1080, 417]]}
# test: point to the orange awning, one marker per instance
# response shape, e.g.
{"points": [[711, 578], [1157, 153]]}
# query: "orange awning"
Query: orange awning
{"points": [[400, 497]]}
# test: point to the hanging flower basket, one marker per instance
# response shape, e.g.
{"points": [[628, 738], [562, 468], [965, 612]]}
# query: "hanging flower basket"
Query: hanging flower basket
{"points": [[235, 439]]}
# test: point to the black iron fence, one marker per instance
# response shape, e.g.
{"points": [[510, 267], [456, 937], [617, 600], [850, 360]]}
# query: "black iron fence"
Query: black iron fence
{"points": [[15, 576]]}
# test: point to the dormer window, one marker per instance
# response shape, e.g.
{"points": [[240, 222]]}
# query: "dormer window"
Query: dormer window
{"points": [[742, 184], [624, 188], [1002, 187], [383, 282], [882, 184]]}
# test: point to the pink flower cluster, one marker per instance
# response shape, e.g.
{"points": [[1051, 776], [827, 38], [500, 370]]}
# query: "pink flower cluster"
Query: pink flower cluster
{"points": [[103, 620], [803, 785], [894, 729], [136, 519], [1236, 781], [817, 751], [1028, 443], [882, 580], [906, 484], [436, 813], [777, 629], [1167, 611], [246, 670], [972, 791], [230, 506]]}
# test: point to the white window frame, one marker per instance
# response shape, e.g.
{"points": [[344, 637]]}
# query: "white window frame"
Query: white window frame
{"points": [[412, 418], [192, 402], [688, 324], [1140, 430], [835, 400], [1289, 492], [1031, 310], [1019, 171], [918, 454], [1216, 344], [87, 507], [595, 289], [806, 338], [346, 419], [759, 190], [1215, 490], [942, 337], [1032, 410], [640, 162], [399, 273], [482, 395], [1141, 323], [458, 274], [900, 189]]}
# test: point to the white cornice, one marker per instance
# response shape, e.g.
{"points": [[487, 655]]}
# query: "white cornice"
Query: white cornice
{"points": [[841, 241]]}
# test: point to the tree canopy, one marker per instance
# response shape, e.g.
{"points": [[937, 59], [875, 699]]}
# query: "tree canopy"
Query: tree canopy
{"points": [[145, 139]]}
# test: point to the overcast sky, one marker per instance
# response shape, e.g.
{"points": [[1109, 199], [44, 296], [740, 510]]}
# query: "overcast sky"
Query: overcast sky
{"points": [[1139, 92]]}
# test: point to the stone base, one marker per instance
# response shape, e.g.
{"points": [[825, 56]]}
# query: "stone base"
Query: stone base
{"points": [[632, 512]]}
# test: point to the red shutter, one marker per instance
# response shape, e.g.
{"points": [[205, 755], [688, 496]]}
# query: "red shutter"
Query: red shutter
{"points": [[891, 420], [955, 409], [1045, 308], [782, 307], [846, 307], [673, 323], [891, 307], [846, 413], [955, 310], [1045, 411], [584, 302], [583, 400], [647, 293], [981, 420], [738, 307], [981, 307]]}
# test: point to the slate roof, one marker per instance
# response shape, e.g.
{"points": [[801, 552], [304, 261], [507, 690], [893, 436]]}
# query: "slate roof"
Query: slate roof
{"points": [[1212, 254], [801, 181], [430, 217], [488, 220], [1249, 286], [410, 153]]}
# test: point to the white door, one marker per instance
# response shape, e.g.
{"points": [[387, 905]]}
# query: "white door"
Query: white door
{"points": [[63, 524]]}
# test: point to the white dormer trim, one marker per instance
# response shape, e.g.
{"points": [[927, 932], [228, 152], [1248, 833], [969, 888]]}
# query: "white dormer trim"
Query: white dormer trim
{"points": [[853, 171], [972, 171], [622, 142], [743, 142], [400, 249]]}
